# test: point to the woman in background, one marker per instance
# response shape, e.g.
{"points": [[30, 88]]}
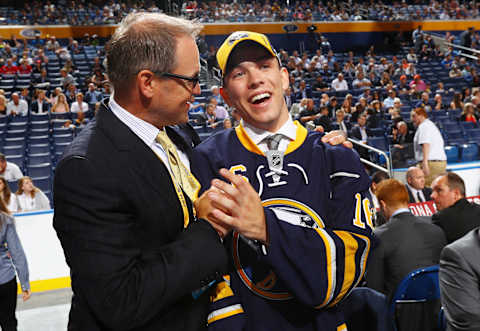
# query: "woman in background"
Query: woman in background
{"points": [[12, 258], [61, 104], [8, 198], [30, 197]]}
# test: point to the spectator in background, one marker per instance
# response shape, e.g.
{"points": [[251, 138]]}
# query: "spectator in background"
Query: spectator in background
{"points": [[8, 170], [41, 105], [389, 101], [417, 192], [98, 78], [457, 102], [24, 68], [417, 84], [359, 132], [227, 123], [309, 112], [220, 111], [323, 120], [79, 106], [425, 102], [428, 146], [468, 113], [67, 78], [8, 198], [9, 68], [455, 215], [215, 90], [340, 120], [61, 104], [339, 83], [392, 259], [9, 266], [71, 93], [466, 37], [459, 278], [92, 96], [3, 105], [17, 106], [42, 81], [438, 102], [30, 197]]}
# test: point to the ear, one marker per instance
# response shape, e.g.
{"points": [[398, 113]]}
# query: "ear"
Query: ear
{"points": [[383, 205], [284, 78], [146, 83], [225, 96]]}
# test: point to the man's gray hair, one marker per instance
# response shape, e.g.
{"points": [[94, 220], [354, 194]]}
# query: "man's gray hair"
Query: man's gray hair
{"points": [[145, 41]]}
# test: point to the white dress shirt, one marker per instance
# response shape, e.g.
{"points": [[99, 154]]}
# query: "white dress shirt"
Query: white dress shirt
{"points": [[415, 193], [146, 132], [258, 136]]}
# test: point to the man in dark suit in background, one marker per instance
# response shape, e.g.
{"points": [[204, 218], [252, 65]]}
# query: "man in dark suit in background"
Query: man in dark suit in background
{"points": [[41, 105], [460, 282], [417, 192], [456, 216], [123, 191], [359, 132], [405, 243]]}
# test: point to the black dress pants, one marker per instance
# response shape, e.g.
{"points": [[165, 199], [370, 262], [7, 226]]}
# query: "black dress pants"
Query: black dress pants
{"points": [[8, 304]]}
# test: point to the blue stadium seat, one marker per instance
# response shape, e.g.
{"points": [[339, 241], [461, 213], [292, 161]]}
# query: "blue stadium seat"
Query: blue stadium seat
{"points": [[38, 148], [38, 132], [454, 135], [39, 139], [14, 141], [469, 152], [13, 185], [473, 135], [17, 119], [378, 142], [19, 159], [418, 291], [452, 152], [15, 134], [39, 117], [39, 158], [60, 147], [39, 170], [14, 150], [376, 132], [43, 183], [467, 126], [62, 138]]}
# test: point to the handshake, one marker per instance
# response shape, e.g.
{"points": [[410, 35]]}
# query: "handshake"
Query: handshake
{"points": [[233, 205]]}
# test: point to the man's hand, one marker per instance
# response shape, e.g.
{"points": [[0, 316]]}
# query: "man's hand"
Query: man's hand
{"points": [[337, 137], [204, 208], [26, 295], [425, 168], [238, 206]]}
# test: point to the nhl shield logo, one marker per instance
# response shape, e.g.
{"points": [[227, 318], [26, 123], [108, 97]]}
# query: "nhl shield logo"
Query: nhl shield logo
{"points": [[276, 161]]}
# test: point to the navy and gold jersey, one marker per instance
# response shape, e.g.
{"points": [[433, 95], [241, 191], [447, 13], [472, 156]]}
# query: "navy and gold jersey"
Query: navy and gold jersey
{"points": [[319, 225]]}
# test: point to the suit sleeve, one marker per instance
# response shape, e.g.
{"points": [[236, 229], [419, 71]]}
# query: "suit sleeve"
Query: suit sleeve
{"points": [[125, 286], [321, 265], [376, 268], [459, 291]]}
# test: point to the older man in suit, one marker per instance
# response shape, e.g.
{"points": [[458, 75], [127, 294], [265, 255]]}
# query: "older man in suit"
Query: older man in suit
{"points": [[123, 191], [460, 282], [417, 192], [406, 242], [456, 216]]}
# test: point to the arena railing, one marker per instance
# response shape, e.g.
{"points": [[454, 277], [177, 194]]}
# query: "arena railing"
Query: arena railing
{"points": [[387, 169], [444, 44]]}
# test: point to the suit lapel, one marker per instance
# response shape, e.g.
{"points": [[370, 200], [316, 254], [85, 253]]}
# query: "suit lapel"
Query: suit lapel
{"points": [[145, 164]]}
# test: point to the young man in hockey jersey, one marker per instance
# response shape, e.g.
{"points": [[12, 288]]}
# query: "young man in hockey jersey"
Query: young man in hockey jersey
{"points": [[298, 208]]}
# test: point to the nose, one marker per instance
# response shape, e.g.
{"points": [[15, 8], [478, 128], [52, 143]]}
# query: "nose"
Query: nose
{"points": [[196, 90], [255, 78]]}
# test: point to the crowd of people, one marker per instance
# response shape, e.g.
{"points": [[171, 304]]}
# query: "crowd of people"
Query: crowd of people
{"points": [[111, 12]]}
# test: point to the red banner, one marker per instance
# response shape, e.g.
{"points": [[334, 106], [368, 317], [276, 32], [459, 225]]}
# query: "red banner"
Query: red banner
{"points": [[428, 208]]}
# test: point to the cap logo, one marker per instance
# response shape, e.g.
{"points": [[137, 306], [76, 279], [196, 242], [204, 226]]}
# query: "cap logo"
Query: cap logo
{"points": [[237, 36]]}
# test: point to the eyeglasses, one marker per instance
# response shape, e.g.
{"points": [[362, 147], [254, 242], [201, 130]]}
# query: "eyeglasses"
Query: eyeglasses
{"points": [[191, 81]]}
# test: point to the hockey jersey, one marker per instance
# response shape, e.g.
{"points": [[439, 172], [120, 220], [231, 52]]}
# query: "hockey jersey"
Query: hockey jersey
{"points": [[319, 225]]}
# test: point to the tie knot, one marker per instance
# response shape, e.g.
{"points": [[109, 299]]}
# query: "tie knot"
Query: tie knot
{"points": [[163, 139], [273, 141]]}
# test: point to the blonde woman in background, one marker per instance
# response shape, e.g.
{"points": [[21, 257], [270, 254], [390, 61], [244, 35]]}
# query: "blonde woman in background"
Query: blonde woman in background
{"points": [[7, 196], [12, 262], [3, 105], [61, 105], [30, 197]]}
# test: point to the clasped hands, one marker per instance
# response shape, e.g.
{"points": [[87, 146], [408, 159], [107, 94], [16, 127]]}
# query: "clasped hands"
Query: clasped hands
{"points": [[237, 206]]}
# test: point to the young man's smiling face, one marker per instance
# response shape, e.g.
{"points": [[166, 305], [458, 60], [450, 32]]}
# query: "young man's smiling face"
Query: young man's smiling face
{"points": [[254, 84]]}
